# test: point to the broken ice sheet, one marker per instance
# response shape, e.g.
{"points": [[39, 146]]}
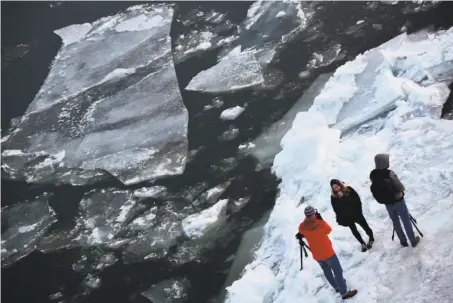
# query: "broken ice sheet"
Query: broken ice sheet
{"points": [[150, 192], [168, 291], [102, 214], [230, 134], [38, 167], [234, 72], [212, 195], [232, 113], [110, 125], [211, 24], [196, 225], [154, 232], [23, 225]]}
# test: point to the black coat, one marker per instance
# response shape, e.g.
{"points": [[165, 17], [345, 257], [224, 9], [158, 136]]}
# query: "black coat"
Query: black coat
{"points": [[347, 208]]}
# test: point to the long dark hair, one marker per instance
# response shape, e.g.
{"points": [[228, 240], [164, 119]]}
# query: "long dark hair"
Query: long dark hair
{"points": [[343, 187]]}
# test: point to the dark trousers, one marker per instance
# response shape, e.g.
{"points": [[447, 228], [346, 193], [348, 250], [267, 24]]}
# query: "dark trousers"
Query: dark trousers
{"points": [[362, 222], [399, 210], [334, 274]]}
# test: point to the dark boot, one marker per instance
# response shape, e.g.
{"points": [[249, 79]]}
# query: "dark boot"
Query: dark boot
{"points": [[350, 294], [404, 244], [417, 240], [370, 243], [364, 249]]}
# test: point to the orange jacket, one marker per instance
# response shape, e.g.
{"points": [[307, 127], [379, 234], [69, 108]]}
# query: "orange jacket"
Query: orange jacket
{"points": [[316, 231]]}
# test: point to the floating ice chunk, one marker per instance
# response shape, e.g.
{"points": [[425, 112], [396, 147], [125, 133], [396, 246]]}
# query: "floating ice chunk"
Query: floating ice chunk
{"points": [[102, 214], [196, 225], [73, 33], [280, 14], [212, 195], [168, 291], [106, 125], [232, 113], [204, 45], [150, 192], [236, 71], [145, 221], [23, 225]]}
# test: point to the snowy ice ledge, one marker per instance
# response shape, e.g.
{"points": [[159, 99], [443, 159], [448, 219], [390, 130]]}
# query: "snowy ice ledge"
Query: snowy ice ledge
{"points": [[111, 101], [420, 145]]}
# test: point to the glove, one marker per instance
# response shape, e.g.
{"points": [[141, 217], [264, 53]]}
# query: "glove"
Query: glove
{"points": [[318, 216], [299, 236]]}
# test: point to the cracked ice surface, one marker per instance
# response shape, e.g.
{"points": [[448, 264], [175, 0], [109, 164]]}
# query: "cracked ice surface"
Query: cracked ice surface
{"points": [[168, 291], [235, 71], [420, 145], [102, 215], [196, 225], [23, 225], [111, 102]]}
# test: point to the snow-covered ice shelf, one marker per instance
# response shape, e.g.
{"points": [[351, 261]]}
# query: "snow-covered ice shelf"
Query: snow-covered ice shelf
{"points": [[396, 90]]}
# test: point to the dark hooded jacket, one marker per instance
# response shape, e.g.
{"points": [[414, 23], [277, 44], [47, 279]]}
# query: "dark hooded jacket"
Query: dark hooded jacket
{"points": [[381, 171], [347, 208]]}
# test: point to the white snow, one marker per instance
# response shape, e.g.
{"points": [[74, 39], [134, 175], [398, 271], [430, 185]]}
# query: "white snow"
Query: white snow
{"points": [[140, 23], [420, 147], [232, 113], [233, 72], [27, 228], [118, 73], [73, 33], [196, 225], [150, 192], [280, 14]]}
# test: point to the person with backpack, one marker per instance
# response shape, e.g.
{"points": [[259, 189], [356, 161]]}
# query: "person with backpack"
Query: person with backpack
{"points": [[387, 189], [316, 231], [348, 209]]}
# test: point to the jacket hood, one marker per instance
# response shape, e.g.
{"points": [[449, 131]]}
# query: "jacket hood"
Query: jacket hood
{"points": [[381, 161]]}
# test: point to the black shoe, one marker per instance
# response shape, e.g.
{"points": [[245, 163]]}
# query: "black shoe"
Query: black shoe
{"points": [[404, 244], [370, 243], [350, 294], [364, 249], [417, 240]]}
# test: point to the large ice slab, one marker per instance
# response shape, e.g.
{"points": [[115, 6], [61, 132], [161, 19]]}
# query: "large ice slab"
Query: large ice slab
{"points": [[23, 225], [236, 71], [111, 101], [420, 145]]}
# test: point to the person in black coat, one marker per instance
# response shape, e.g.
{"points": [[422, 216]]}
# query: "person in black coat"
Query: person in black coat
{"points": [[348, 209]]}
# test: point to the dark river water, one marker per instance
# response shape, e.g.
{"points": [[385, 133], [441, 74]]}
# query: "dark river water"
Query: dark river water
{"points": [[39, 275]]}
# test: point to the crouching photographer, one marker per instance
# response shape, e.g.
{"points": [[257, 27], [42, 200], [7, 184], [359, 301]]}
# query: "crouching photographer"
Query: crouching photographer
{"points": [[315, 230]]}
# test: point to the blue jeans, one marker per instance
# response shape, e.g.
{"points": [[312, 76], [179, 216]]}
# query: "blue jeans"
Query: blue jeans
{"points": [[334, 274], [399, 210]]}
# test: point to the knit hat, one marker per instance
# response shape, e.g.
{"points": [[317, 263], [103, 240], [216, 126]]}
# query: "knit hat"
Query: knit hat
{"points": [[309, 211], [335, 181]]}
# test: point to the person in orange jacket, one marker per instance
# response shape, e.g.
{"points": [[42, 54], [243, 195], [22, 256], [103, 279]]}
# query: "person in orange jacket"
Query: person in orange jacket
{"points": [[316, 231]]}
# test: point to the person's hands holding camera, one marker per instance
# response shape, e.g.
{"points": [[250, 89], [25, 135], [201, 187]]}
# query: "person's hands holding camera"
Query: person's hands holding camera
{"points": [[318, 216]]}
